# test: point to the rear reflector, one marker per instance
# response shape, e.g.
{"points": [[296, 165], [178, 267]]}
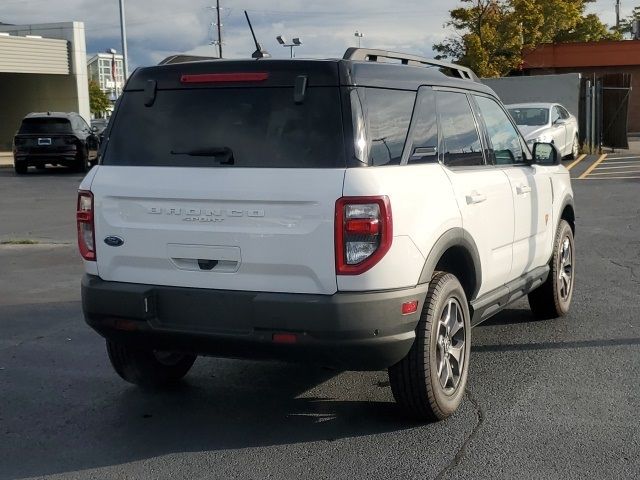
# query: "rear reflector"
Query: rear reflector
{"points": [[225, 77], [284, 338], [409, 307]]}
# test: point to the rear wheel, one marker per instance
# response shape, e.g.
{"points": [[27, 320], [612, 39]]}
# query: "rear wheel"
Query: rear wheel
{"points": [[83, 162], [430, 381], [20, 166], [41, 166], [553, 298], [148, 368]]}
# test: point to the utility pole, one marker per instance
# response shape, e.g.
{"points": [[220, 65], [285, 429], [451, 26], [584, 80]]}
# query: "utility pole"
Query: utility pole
{"points": [[617, 13], [220, 29], [123, 35]]}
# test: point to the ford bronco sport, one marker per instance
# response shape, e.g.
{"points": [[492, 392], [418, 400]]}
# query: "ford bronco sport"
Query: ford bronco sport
{"points": [[362, 213]]}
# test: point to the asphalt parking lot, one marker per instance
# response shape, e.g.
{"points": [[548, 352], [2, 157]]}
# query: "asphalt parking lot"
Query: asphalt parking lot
{"points": [[547, 399]]}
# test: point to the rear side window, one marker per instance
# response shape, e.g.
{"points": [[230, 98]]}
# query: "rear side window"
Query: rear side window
{"points": [[241, 127], [45, 125], [423, 137], [388, 114], [460, 140]]}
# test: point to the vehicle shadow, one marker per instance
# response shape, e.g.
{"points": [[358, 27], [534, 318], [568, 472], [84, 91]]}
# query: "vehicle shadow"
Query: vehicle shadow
{"points": [[511, 316], [50, 171], [223, 405]]}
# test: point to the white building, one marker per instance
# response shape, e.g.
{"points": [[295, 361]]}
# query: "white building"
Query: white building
{"points": [[107, 71], [43, 67]]}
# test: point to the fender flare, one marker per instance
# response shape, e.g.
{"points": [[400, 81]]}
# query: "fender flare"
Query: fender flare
{"points": [[454, 237]]}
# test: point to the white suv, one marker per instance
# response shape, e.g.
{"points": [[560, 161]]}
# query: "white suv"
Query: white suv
{"points": [[356, 213]]}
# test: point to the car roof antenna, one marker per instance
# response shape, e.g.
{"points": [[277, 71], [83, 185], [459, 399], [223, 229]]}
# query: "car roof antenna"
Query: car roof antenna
{"points": [[260, 52]]}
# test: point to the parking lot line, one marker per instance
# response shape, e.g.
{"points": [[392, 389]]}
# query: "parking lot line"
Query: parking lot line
{"points": [[611, 167], [576, 161], [617, 172], [593, 165], [622, 158], [591, 177]]}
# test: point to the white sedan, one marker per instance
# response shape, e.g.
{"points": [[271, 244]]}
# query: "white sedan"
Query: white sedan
{"points": [[547, 123]]}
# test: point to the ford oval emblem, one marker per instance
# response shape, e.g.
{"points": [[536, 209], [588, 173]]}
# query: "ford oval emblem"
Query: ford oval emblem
{"points": [[113, 241]]}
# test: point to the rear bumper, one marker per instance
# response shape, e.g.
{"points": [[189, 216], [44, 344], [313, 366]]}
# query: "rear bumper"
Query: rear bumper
{"points": [[356, 331], [46, 157]]}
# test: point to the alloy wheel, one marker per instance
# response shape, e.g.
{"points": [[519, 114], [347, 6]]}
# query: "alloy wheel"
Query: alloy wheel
{"points": [[450, 351], [565, 273]]}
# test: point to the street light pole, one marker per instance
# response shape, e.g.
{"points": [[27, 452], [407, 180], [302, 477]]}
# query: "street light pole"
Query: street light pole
{"points": [[123, 35], [358, 35]]}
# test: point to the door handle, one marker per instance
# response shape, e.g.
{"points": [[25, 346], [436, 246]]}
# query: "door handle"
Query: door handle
{"points": [[475, 197], [523, 189]]}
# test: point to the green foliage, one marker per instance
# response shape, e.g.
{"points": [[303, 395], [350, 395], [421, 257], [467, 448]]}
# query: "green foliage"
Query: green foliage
{"points": [[626, 24], [492, 34], [98, 100]]}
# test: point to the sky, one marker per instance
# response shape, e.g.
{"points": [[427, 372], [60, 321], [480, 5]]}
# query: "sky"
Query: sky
{"points": [[159, 28]]}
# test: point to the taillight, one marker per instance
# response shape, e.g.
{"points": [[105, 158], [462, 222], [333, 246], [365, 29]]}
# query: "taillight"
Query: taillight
{"points": [[363, 233], [70, 140], [86, 231], [225, 77]]}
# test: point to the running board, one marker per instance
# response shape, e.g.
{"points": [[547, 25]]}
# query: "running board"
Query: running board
{"points": [[496, 300]]}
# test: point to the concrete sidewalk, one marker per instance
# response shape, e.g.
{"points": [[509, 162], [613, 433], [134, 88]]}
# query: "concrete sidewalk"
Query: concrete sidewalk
{"points": [[6, 159]]}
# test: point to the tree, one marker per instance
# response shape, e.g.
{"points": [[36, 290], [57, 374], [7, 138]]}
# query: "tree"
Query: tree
{"points": [[626, 24], [98, 101], [492, 34]]}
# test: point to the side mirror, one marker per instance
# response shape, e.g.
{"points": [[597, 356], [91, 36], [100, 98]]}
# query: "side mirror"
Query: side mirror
{"points": [[94, 129], [546, 154], [560, 121]]}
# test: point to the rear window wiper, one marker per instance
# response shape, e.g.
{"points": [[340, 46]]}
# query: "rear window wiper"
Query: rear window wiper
{"points": [[225, 152]]}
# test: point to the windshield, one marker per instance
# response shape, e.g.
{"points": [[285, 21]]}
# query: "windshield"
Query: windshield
{"points": [[45, 125], [530, 116], [240, 127]]}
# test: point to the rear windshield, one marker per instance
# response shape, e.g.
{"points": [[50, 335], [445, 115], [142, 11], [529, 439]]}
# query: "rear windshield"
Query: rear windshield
{"points": [[45, 125], [530, 116], [241, 127]]}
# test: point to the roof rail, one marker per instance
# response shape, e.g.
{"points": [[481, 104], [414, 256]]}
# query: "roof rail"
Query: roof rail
{"points": [[372, 55]]}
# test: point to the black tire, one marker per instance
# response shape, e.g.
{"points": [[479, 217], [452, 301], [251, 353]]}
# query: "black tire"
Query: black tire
{"points": [[83, 162], [41, 167], [415, 382], [553, 298], [575, 149], [146, 367], [20, 166]]}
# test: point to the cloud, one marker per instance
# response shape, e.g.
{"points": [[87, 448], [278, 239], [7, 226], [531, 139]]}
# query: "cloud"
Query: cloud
{"points": [[158, 28]]}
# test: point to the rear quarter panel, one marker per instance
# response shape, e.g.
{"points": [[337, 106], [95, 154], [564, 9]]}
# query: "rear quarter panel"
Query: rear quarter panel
{"points": [[423, 207]]}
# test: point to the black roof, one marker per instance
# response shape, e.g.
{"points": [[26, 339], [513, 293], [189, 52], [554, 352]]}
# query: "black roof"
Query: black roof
{"points": [[412, 73]]}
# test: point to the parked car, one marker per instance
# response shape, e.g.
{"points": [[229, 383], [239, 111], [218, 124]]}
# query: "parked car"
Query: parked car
{"points": [[100, 124], [547, 122], [54, 138], [354, 213]]}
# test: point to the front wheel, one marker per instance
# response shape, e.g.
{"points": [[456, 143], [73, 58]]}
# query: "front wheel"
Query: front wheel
{"points": [[575, 149], [553, 298], [430, 381], [148, 368]]}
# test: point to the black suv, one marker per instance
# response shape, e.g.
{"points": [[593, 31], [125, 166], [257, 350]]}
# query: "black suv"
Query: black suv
{"points": [[54, 138]]}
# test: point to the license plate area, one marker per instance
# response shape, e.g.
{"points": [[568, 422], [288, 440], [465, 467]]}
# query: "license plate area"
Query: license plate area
{"points": [[44, 141]]}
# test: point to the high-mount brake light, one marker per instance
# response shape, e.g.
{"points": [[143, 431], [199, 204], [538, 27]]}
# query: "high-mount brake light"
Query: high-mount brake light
{"points": [[86, 229], [225, 77], [363, 233]]}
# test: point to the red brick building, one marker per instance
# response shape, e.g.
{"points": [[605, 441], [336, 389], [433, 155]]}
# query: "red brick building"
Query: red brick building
{"points": [[591, 58]]}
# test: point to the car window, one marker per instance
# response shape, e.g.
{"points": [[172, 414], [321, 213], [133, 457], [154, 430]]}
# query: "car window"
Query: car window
{"points": [[460, 140], [423, 143], [388, 114], [223, 127], [555, 115], [563, 112], [502, 134], [45, 125]]}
